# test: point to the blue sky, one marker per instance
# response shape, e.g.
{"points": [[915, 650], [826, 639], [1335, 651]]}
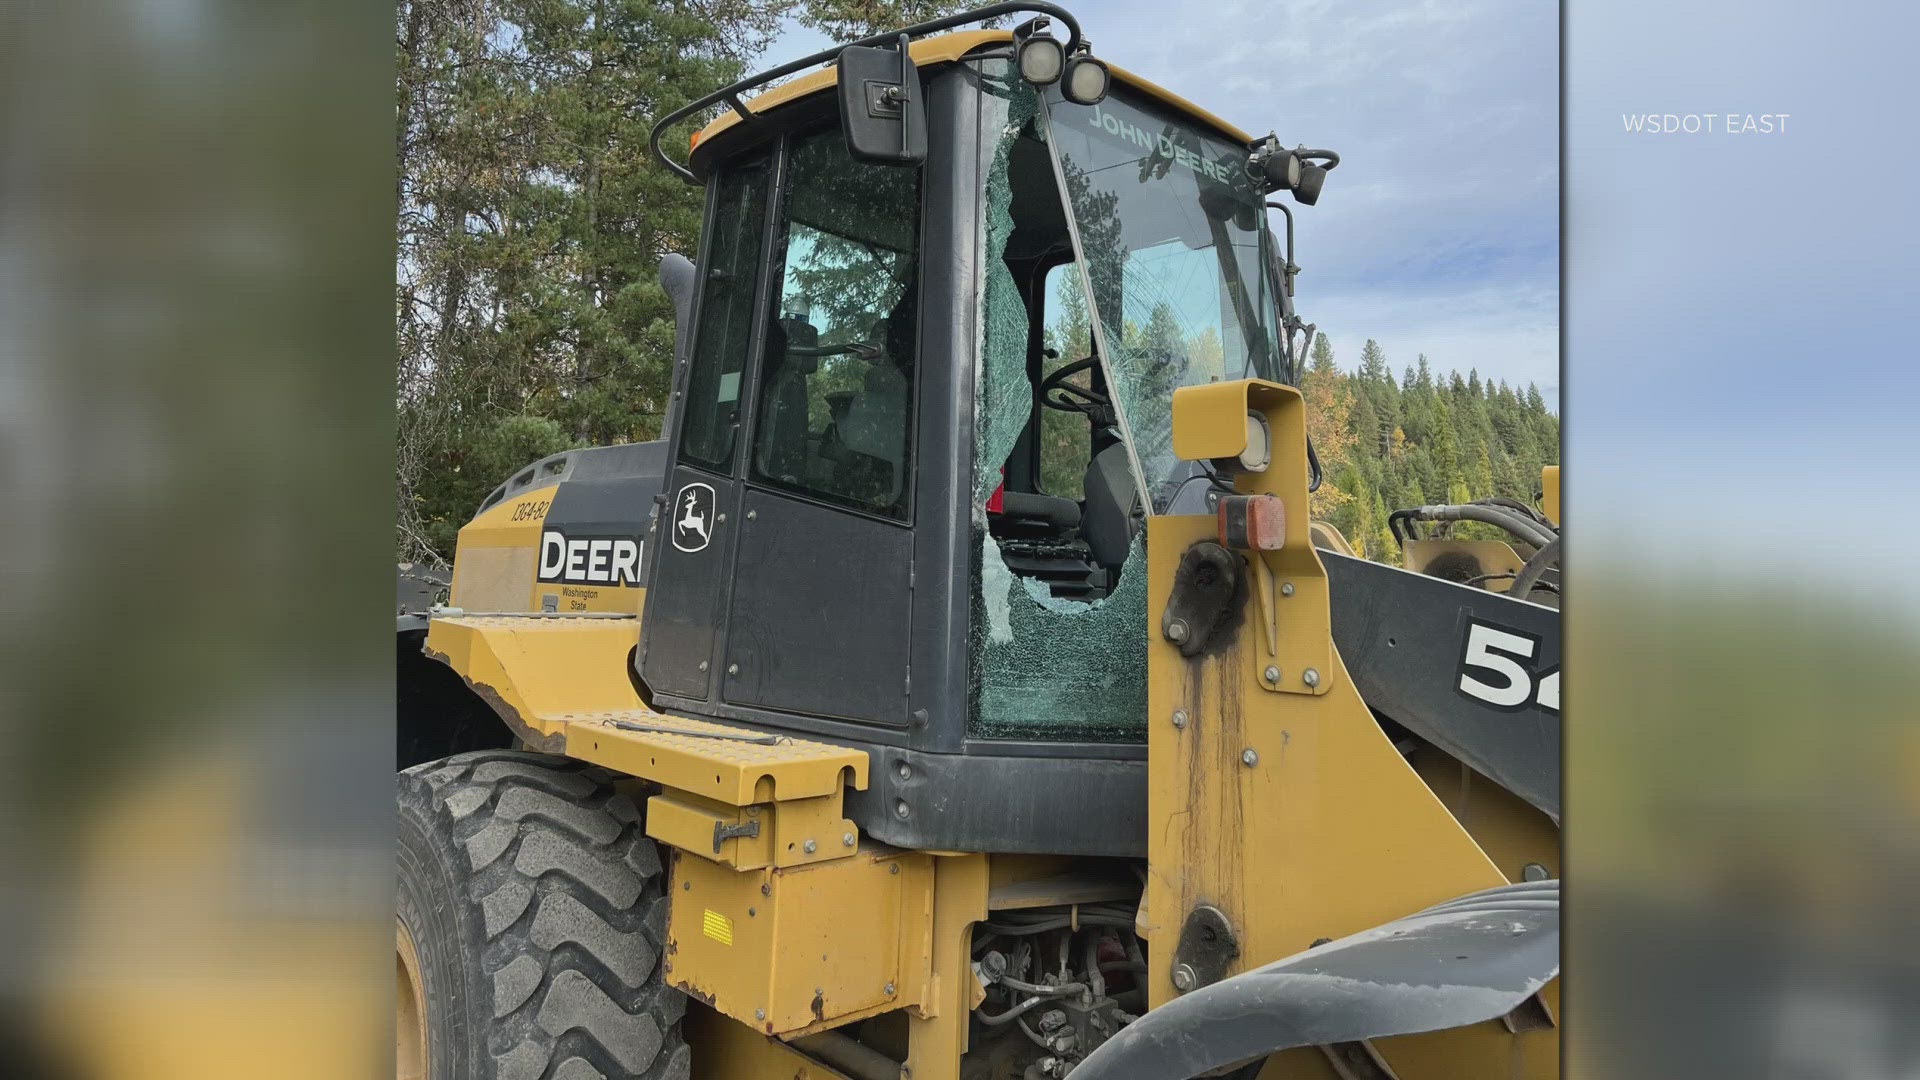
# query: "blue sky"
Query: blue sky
{"points": [[1740, 342], [1439, 232]]}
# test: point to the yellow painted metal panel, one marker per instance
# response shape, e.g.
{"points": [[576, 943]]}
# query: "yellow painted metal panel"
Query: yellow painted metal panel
{"points": [[1210, 421], [725, 1049], [562, 684], [802, 949], [535, 672], [787, 832], [937, 1031], [498, 553], [728, 769], [1292, 813], [692, 824], [1550, 492]]}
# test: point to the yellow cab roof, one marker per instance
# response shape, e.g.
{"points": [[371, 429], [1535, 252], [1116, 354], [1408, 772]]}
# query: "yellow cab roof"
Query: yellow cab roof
{"points": [[947, 48]]}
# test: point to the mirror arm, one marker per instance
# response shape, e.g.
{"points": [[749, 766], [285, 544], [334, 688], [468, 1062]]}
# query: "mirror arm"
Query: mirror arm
{"points": [[907, 75]]}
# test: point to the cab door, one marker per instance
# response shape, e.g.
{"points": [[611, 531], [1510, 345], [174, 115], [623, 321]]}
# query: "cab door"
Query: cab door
{"points": [[819, 619], [784, 546], [691, 538]]}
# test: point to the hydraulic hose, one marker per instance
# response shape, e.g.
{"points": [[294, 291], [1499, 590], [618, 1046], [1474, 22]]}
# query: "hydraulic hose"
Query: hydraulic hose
{"points": [[1011, 1014], [1513, 523], [1061, 990], [1548, 555]]}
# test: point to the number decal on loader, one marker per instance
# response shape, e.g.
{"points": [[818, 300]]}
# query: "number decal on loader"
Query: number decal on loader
{"points": [[1494, 670]]}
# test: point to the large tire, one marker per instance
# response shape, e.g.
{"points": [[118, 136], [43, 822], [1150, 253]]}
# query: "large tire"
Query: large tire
{"points": [[535, 904]]}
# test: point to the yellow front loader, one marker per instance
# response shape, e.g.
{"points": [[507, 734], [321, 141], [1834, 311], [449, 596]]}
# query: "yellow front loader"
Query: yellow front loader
{"points": [[957, 689]]}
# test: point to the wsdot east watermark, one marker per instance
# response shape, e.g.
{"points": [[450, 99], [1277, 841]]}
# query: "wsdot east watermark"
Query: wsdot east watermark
{"points": [[1705, 123]]}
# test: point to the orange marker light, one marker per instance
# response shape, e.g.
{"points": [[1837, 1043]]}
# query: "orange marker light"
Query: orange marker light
{"points": [[1253, 522]]}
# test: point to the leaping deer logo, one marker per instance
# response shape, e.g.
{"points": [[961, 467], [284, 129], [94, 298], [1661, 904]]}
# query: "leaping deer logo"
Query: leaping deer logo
{"points": [[691, 525]]}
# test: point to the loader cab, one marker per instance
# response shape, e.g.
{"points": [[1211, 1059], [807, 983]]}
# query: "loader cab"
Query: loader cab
{"points": [[921, 418]]}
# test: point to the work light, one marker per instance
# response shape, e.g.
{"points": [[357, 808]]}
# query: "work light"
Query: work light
{"points": [[1086, 80], [1041, 58], [1312, 178]]}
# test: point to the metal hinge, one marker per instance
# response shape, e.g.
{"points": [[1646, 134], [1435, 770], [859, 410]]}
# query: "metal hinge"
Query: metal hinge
{"points": [[722, 832]]}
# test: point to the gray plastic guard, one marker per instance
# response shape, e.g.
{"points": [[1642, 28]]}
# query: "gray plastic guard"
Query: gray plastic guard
{"points": [[1470, 959]]}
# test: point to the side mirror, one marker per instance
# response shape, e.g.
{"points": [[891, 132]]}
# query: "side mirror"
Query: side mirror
{"points": [[677, 280], [882, 111]]}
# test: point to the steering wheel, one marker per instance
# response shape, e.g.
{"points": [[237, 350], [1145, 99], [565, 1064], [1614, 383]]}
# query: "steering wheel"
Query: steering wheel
{"points": [[1073, 397]]}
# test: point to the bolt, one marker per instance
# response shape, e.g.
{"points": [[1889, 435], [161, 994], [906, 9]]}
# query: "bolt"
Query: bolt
{"points": [[1179, 718], [703, 665], [1533, 871], [751, 514], [719, 519], [766, 888], [846, 839], [894, 869], [733, 669], [809, 847], [1177, 630], [1272, 673], [688, 884], [887, 989], [1183, 978], [1310, 677], [906, 771], [900, 808], [1286, 588], [759, 1014], [1249, 758], [751, 913]]}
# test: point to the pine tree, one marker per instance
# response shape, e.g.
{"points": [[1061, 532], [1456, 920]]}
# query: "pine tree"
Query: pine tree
{"points": [[532, 219], [1328, 425], [1446, 456]]}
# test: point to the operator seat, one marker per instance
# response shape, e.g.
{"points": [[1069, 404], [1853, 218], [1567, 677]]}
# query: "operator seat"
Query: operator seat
{"points": [[1112, 505], [1051, 514]]}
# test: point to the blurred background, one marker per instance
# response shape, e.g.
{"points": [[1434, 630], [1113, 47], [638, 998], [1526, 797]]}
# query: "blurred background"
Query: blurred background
{"points": [[197, 458], [1743, 762], [1744, 615]]}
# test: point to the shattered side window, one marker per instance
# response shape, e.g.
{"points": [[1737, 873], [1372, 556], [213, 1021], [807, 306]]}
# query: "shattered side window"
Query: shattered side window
{"points": [[1044, 667]]}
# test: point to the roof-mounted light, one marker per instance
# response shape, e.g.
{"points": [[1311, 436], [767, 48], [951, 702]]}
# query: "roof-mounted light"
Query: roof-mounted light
{"points": [[1086, 80], [1040, 56], [1300, 170]]}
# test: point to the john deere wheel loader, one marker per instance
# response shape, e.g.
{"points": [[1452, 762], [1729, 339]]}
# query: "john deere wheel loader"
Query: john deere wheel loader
{"points": [[956, 690]]}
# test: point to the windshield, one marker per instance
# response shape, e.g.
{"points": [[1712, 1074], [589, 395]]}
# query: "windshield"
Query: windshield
{"points": [[1170, 234]]}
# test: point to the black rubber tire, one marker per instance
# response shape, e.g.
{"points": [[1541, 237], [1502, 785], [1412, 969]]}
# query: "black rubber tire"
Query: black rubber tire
{"points": [[536, 903]]}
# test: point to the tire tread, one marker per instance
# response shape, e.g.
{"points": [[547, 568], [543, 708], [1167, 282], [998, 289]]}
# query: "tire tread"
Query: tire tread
{"points": [[567, 894]]}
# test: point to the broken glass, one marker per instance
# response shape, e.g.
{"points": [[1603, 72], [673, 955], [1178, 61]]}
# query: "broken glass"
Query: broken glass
{"points": [[1170, 233], [1044, 667]]}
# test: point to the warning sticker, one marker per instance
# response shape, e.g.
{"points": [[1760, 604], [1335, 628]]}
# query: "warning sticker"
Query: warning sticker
{"points": [[717, 926]]}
